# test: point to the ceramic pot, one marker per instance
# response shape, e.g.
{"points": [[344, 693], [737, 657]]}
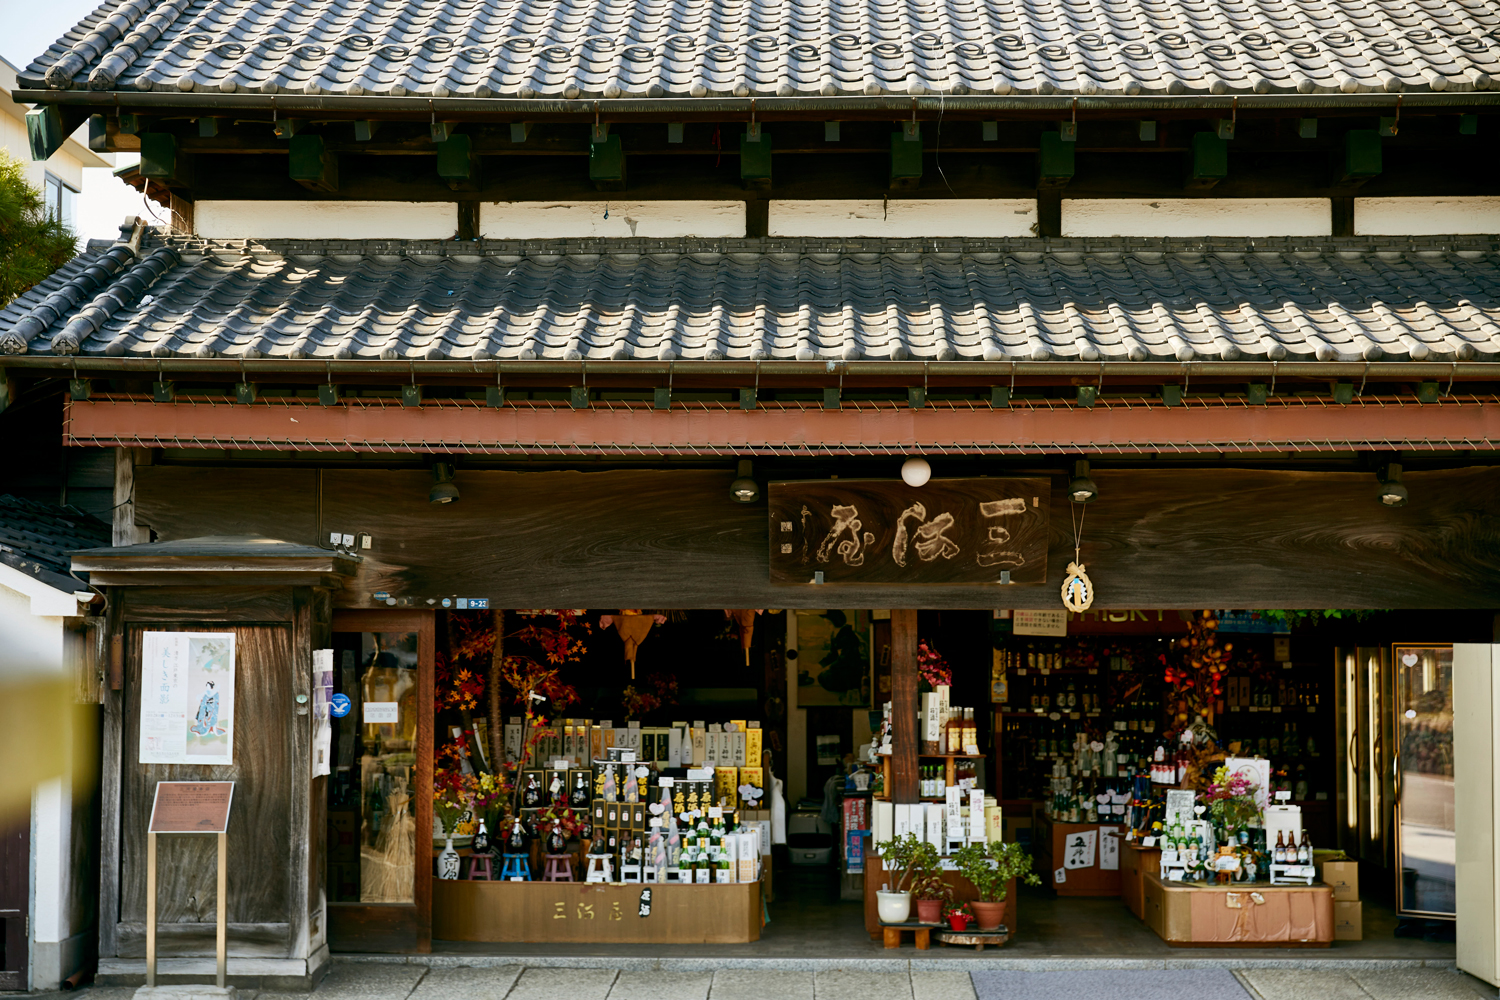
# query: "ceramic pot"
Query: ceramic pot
{"points": [[930, 911], [893, 907], [448, 861], [988, 916], [958, 921]]}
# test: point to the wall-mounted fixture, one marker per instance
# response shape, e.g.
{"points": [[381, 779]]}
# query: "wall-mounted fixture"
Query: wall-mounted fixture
{"points": [[915, 472], [443, 490], [1392, 491], [744, 489], [1081, 488]]}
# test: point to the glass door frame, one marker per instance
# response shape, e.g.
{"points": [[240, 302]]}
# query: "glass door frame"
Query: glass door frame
{"points": [[1397, 705], [397, 927]]}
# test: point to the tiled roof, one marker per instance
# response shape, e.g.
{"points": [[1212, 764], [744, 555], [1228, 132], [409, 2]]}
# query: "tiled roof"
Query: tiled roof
{"points": [[677, 48], [784, 299], [36, 538]]}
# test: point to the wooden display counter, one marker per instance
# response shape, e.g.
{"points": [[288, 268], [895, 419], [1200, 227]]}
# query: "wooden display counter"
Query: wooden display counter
{"points": [[1050, 840], [1202, 915], [595, 912], [1136, 862]]}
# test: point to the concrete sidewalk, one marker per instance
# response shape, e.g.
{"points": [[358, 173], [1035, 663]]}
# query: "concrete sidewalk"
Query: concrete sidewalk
{"points": [[402, 978]]}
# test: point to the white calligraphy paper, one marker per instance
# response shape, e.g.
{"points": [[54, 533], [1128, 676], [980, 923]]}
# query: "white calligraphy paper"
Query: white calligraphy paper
{"points": [[322, 689], [1079, 851], [1109, 851], [187, 698]]}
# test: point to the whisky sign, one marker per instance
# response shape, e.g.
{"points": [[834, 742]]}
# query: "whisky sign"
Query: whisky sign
{"points": [[876, 531]]}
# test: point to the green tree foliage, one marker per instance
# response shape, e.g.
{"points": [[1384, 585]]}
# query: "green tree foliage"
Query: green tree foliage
{"points": [[32, 243]]}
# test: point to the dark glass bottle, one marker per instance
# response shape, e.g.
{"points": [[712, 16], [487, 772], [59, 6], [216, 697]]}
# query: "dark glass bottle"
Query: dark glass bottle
{"points": [[580, 797], [517, 842], [531, 797], [556, 842], [481, 843]]}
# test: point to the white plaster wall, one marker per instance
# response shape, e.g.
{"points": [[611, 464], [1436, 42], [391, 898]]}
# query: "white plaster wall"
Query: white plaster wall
{"points": [[326, 220], [1190, 217], [560, 220], [1426, 216], [898, 218]]}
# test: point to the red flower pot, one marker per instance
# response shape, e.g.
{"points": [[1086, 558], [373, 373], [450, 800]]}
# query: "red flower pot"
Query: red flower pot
{"points": [[958, 921]]}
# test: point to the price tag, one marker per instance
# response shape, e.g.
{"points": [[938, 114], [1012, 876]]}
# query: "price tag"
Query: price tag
{"points": [[1054, 716], [1120, 725], [1309, 709], [1093, 670], [1046, 671], [1286, 665], [1234, 708], [1020, 671], [1276, 710], [1255, 708], [1074, 715], [1148, 841]]}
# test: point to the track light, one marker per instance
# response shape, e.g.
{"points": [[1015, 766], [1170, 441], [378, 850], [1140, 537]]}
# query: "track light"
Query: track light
{"points": [[1081, 488], [1392, 492], [915, 472], [745, 489], [443, 490]]}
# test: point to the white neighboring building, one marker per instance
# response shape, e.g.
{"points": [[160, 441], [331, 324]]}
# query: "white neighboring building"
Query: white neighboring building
{"points": [[45, 671], [59, 178]]}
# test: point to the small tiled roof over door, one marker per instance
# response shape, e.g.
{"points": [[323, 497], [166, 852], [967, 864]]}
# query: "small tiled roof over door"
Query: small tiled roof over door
{"points": [[792, 300], [776, 48]]}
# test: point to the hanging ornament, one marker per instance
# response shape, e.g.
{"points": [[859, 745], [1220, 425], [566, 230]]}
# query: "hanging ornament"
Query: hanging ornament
{"points": [[745, 620], [633, 626], [1077, 588]]}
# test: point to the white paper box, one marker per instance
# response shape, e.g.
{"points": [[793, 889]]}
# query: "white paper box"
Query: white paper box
{"points": [[882, 821], [674, 747], [955, 809], [976, 816], [935, 825], [738, 751], [700, 746]]}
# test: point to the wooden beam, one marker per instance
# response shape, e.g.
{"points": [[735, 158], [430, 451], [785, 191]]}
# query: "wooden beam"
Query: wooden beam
{"points": [[310, 164], [906, 157], [44, 131], [1208, 164], [904, 707]]}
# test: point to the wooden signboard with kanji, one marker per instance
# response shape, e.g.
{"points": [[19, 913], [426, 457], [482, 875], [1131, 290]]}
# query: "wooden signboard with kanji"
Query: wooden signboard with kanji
{"points": [[872, 531]]}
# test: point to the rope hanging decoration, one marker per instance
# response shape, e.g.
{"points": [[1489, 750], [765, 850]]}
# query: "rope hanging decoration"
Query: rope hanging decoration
{"points": [[1077, 588]]}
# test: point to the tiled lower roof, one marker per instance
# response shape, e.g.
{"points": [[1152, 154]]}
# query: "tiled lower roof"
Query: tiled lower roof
{"points": [[744, 48], [36, 538], [946, 300]]}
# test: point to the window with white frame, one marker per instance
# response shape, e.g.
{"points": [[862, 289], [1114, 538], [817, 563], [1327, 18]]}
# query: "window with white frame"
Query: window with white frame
{"points": [[62, 200]]}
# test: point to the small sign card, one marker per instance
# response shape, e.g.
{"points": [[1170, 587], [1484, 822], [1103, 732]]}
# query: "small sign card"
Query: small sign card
{"points": [[191, 807]]}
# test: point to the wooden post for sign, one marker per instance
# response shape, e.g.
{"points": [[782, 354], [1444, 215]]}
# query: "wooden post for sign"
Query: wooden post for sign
{"points": [[191, 808], [903, 706], [151, 909]]}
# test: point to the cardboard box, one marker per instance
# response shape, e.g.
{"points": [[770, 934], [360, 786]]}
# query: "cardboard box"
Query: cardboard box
{"points": [[1343, 876], [1348, 920]]}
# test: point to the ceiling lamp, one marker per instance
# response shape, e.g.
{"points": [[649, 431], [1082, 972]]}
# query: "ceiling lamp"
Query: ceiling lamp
{"points": [[915, 472], [443, 490], [1081, 488], [1392, 491], [745, 489]]}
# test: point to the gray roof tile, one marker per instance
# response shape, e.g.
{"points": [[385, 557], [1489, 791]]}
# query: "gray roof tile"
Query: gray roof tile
{"points": [[786, 299], [36, 538], [676, 48]]}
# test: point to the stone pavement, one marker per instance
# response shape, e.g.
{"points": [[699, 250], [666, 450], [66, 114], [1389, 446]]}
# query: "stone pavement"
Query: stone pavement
{"points": [[399, 978]]}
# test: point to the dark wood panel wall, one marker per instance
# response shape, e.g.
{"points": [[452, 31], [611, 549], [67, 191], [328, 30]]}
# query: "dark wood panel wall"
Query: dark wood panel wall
{"points": [[1153, 538]]}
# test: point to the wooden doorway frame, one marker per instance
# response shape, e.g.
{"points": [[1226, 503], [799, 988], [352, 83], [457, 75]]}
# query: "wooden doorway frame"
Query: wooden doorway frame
{"points": [[15, 900], [397, 927]]}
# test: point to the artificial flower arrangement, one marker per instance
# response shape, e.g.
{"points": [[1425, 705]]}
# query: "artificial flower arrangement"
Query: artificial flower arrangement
{"points": [[933, 668], [1232, 801]]}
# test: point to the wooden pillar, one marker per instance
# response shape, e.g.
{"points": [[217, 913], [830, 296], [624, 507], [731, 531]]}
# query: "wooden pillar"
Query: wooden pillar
{"points": [[903, 706]]}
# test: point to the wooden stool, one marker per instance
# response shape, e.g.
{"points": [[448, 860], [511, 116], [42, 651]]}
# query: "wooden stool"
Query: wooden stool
{"points": [[921, 934], [516, 866], [559, 868], [479, 868], [601, 869]]}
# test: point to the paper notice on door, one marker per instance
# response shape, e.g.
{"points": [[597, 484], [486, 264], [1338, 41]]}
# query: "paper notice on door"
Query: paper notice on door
{"points": [[187, 698], [1109, 851], [382, 712]]}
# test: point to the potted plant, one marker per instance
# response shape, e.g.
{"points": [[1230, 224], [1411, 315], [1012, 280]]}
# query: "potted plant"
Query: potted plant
{"points": [[909, 857], [958, 915], [931, 892], [991, 867]]}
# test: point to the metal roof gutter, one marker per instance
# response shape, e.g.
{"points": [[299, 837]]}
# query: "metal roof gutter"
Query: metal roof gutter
{"points": [[1084, 371], [676, 108]]}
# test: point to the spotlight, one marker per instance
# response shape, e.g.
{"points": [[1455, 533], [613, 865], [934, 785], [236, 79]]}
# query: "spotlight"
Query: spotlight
{"points": [[443, 490], [1081, 488], [915, 472], [1392, 492], [744, 489]]}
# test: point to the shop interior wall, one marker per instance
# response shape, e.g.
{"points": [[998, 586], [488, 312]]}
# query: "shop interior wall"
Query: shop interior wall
{"points": [[1154, 538]]}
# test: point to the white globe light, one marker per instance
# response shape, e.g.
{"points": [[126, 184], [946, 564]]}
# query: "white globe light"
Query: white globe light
{"points": [[915, 471]]}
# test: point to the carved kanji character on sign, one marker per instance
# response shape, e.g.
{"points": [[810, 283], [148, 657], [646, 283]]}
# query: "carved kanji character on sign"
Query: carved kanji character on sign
{"points": [[852, 549], [559, 913], [931, 541], [614, 911], [585, 911], [992, 551]]}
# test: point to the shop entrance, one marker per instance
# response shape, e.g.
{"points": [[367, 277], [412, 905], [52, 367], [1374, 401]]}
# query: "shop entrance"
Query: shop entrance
{"points": [[378, 796]]}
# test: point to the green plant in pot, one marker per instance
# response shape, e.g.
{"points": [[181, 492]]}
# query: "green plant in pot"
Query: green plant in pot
{"points": [[990, 867], [932, 893], [910, 858]]}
